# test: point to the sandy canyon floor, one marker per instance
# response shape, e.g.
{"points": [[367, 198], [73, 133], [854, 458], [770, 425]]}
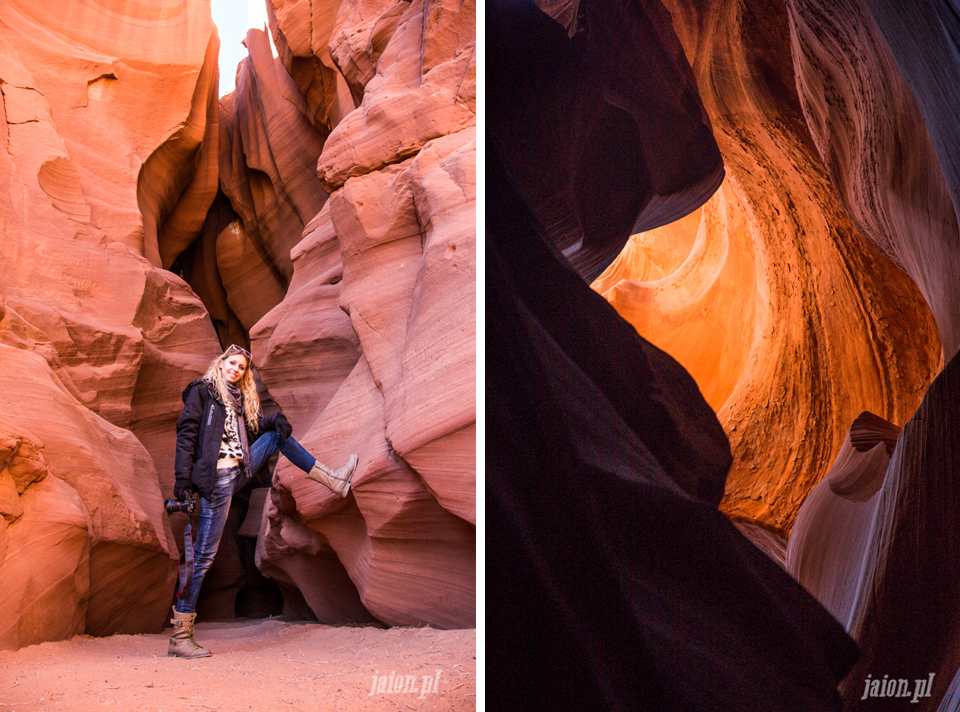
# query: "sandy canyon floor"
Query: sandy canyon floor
{"points": [[256, 665]]}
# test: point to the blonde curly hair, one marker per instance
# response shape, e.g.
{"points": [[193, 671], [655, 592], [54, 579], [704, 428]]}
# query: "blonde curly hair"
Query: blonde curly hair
{"points": [[248, 389]]}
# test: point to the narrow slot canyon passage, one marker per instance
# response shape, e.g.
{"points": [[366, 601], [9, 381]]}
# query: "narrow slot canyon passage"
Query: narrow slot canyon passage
{"points": [[320, 216], [758, 390]]}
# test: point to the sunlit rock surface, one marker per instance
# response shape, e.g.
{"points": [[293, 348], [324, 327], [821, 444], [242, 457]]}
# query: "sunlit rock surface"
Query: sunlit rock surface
{"points": [[898, 199], [770, 297], [95, 340], [424, 87]]}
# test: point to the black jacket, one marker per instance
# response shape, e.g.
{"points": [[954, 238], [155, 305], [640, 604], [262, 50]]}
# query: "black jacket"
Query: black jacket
{"points": [[199, 432]]}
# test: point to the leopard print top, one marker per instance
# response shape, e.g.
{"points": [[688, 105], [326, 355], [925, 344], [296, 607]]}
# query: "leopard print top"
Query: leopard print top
{"points": [[231, 452]]}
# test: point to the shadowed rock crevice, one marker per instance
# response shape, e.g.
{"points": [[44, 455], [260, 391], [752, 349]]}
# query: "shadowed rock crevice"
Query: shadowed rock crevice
{"points": [[622, 147], [179, 180]]}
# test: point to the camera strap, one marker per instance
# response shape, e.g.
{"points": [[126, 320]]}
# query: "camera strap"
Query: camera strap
{"points": [[186, 558]]}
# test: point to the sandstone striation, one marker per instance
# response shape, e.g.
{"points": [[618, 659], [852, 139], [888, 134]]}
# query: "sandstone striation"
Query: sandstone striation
{"points": [[833, 526], [308, 344], [899, 201]]}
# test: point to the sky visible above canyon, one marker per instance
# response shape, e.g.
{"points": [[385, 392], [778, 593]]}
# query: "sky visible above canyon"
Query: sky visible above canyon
{"points": [[233, 20]]}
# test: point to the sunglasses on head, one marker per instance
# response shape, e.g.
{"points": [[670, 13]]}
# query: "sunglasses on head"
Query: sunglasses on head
{"points": [[234, 349]]}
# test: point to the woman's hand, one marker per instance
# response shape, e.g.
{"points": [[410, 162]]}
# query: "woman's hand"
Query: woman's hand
{"points": [[181, 489], [282, 426]]}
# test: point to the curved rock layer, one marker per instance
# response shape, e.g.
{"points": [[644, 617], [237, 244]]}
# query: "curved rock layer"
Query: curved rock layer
{"points": [[268, 155], [897, 198], [833, 526], [788, 319], [95, 342]]}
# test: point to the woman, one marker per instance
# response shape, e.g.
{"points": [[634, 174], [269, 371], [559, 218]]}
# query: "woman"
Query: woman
{"points": [[221, 411]]}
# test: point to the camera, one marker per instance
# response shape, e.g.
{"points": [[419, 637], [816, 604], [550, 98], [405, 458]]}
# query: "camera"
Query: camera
{"points": [[175, 505]]}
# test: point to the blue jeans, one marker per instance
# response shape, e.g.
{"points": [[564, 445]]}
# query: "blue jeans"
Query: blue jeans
{"points": [[264, 446], [214, 510]]}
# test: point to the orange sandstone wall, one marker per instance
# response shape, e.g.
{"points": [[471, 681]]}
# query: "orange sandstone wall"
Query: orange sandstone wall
{"points": [[95, 340], [790, 321]]}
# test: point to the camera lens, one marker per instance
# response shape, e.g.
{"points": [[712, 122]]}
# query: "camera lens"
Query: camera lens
{"points": [[175, 505]]}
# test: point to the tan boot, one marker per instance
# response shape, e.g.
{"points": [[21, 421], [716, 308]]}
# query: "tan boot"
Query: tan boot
{"points": [[182, 644], [337, 480]]}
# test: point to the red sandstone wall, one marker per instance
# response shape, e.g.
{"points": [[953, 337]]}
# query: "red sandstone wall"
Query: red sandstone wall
{"points": [[118, 161], [372, 349], [95, 340]]}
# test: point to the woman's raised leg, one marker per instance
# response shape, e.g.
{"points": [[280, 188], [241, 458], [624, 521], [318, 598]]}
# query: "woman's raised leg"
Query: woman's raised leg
{"points": [[337, 480]]}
